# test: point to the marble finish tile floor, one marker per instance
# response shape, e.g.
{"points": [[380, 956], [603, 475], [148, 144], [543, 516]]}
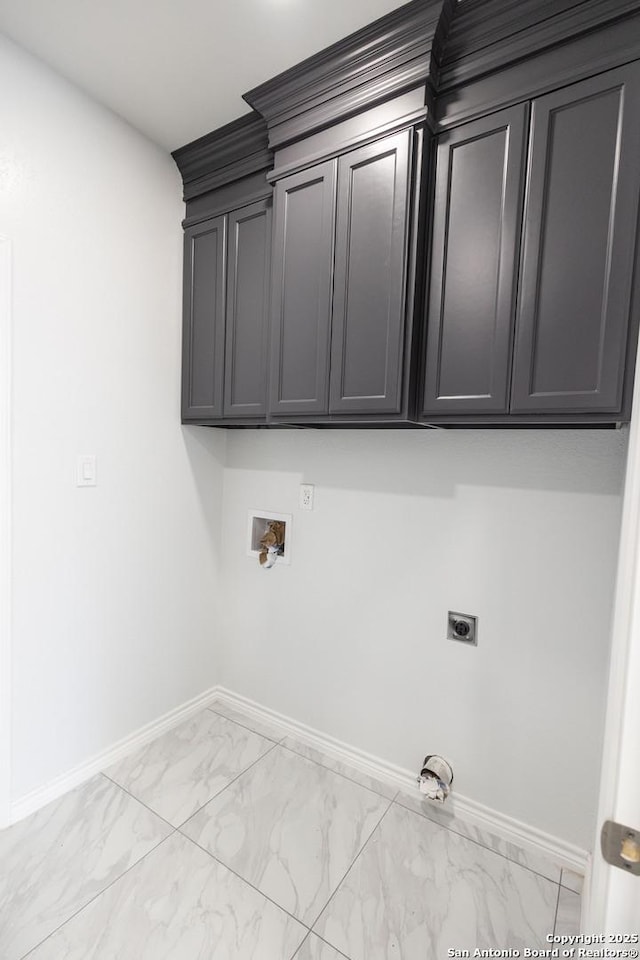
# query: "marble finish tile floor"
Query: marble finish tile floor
{"points": [[61, 857], [418, 890], [184, 768], [446, 817], [222, 840], [568, 912], [177, 903], [291, 828], [314, 948], [264, 728], [571, 880], [378, 786]]}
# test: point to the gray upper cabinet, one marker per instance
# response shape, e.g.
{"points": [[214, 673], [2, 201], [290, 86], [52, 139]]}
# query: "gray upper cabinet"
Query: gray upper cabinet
{"points": [[432, 221], [339, 284], [203, 320], [370, 278], [476, 228], [579, 247], [301, 291], [248, 266], [226, 300], [531, 282], [227, 249]]}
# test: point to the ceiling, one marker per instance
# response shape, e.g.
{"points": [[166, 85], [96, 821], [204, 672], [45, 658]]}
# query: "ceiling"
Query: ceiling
{"points": [[176, 69]]}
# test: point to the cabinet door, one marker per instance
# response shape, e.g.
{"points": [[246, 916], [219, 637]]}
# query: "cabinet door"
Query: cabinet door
{"points": [[367, 336], [301, 291], [203, 321], [474, 265], [249, 245], [579, 247]]}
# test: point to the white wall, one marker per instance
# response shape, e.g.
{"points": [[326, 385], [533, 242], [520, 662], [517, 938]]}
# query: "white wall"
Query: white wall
{"points": [[114, 588], [518, 527]]}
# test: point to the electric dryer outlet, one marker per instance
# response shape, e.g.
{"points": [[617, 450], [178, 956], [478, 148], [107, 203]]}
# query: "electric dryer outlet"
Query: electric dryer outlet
{"points": [[463, 627]]}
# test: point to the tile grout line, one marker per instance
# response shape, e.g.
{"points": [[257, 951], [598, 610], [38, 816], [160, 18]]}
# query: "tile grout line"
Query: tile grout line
{"points": [[555, 919], [100, 893], [339, 952], [479, 843], [209, 799], [244, 880], [566, 886], [138, 800], [349, 869], [226, 786], [244, 726], [339, 773], [286, 736], [301, 945]]}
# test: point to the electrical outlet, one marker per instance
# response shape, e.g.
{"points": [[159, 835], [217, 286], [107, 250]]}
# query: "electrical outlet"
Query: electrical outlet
{"points": [[462, 626], [306, 496]]}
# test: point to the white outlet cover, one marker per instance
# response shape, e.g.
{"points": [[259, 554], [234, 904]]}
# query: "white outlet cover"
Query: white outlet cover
{"points": [[307, 491]]}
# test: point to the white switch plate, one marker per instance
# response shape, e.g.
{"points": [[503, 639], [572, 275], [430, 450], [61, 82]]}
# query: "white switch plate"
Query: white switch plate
{"points": [[306, 496], [86, 475]]}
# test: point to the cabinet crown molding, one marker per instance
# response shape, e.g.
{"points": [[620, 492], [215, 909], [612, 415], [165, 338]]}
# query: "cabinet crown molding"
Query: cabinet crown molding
{"points": [[394, 54], [484, 36], [236, 150]]}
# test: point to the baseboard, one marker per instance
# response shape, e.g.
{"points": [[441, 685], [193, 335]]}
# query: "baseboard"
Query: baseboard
{"points": [[510, 829], [39, 797], [515, 831], [565, 854]]}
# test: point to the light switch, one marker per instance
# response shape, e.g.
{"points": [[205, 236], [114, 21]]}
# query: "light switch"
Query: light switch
{"points": [[86, 470]]}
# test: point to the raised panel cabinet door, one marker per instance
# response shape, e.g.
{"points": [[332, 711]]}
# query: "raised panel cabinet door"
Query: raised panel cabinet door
{"points": [[579, 247], [301, 288], [474, 264], [370, 275], [248, 265], [203, 320]]}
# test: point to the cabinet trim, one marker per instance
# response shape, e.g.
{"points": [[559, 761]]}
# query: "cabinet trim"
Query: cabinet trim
{"points": [[391, 55], [409, 122], [229, 207], [488, 36], [594, 53], [236, 150]]}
